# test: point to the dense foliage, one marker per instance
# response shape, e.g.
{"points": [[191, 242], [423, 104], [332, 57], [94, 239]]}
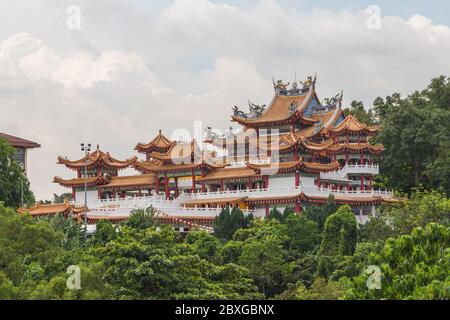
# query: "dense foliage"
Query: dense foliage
{"points": [[416, 137], [287, 257]]}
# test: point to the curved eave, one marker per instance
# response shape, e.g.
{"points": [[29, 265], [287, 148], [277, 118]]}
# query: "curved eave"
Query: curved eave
{"points": [[148, 148], [314, 167], [286, 167], [80, 182], [342, 148], [296, 116], [106, 161], [118, 164], [347, 131]]}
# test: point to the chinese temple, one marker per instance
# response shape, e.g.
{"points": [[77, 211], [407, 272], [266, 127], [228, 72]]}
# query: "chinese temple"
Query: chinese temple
{"points": [[294, 152]]}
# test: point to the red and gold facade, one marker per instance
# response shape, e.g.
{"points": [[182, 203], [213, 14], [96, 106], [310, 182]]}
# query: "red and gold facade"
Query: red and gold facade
{"points": [[300, 143]]}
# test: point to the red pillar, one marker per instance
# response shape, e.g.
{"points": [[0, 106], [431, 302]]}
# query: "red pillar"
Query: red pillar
{"points": [[157, 183], [266, 182], [297, 178], [73, 194], [99, 194], [296, 157], [347, 158], [193, 181], [362, 183], [361, 159], [222, 185], [267, 211], [176, 187], [203, 182], [249, 184], [318, 179], [166, 186]]}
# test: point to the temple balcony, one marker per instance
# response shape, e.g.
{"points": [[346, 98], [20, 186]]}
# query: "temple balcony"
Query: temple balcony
{"points": [[359, 169], [281, 192]]}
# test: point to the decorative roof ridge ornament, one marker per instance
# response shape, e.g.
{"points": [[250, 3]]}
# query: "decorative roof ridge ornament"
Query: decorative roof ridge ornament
{"points": [[293, 107], [255, 111], [333, 102]]}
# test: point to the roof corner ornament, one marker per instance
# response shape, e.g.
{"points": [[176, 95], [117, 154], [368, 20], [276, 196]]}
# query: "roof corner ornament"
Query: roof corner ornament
{"points": [[238, 113], [255, 109], [293, 108], [333, 101], [210, 134], [309, 82], [280, 87]]}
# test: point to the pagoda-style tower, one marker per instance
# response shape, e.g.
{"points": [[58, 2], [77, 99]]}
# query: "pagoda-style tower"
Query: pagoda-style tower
{"points": [[96, 169], [160, 144], [181, 160]]}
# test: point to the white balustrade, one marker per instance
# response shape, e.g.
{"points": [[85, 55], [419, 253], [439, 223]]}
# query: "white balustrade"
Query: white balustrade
{"points": [[342, 174]]}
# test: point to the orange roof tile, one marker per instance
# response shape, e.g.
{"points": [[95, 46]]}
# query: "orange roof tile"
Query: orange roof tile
{"points": [[278, 111], [79, 182], [130, 181], [351, 124], [160, 142], [95, 157], [229, 173], [51, 209], [355, 147]]}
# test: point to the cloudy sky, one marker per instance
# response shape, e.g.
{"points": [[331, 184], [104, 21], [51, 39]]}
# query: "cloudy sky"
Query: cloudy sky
{"points": [[134, 67]]}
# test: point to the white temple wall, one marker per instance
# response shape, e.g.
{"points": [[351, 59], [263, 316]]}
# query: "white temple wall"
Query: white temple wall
{"points": [[92, 195], [278, 182], [307, 181]]}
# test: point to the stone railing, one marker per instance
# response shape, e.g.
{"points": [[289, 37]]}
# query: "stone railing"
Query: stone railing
{"points": [[372, 169], [281, 191]]}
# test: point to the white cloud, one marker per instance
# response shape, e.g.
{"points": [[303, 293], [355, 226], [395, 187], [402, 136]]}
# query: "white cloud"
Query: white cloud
{"points": [[129, 72]]}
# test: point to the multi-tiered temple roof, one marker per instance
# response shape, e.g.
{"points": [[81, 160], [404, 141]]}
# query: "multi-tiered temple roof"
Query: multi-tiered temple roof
{"points": [[97, 158], [304, 148]]}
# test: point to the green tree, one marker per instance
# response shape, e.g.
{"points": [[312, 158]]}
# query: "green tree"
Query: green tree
{"points": [[415, 134], [151, 264], [421, 208], [302, 235], [105, 232], [320, 214], [339, 239], [412, 266], [275, 214], [357, 109], [321, 289], [265, 261], [141, 218], [226, 224], [14, 185]]}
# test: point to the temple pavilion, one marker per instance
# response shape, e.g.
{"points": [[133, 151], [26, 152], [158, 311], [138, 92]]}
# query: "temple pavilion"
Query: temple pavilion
{"points": [[294, 152]]}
